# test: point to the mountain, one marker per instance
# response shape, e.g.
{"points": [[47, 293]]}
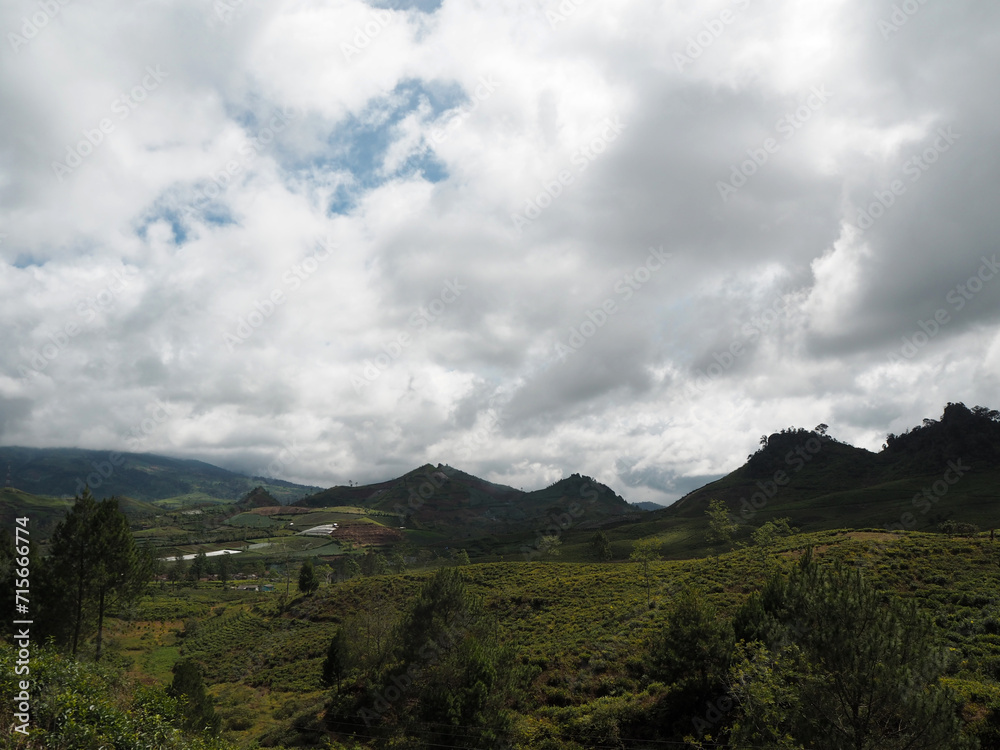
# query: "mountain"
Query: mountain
{"points": [[646, 505], [63, 472], [444, 498], [258, 497], [947, 468]]}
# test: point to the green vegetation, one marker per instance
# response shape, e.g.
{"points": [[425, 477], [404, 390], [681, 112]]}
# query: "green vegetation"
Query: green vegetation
{"points": [[79, 705], [720, 527], [93, 566], [585, 659], [846, 666], [187, 687], [308, 583]]}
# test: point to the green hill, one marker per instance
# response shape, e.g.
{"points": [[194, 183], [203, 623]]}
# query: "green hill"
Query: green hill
{"points": [[63, 472], [946, 469], [446, 499]]}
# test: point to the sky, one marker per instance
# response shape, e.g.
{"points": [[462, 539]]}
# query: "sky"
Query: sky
{"points": [[331, 241]]}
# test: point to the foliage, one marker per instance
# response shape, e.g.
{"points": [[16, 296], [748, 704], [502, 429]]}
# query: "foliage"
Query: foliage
{"points": [[87, 706], [575, 634], [187, 687], [93, 565], [335, 663], [308, 582], [600, 546], [865, 667], [720, 526], [953, 528], [447, 681], [766, 534], [694, 645], [222, 569], [199, 566]]}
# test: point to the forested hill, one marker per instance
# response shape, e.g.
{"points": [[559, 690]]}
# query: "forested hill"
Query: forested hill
{"points": [[63, 472], [820, 482], [444, 498]]}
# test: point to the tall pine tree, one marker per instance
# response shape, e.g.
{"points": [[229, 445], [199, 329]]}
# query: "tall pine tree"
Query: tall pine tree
{"points": [[93, 566]]}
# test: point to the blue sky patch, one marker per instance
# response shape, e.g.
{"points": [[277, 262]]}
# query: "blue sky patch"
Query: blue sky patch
{"points": [[360, 144], [424, 6]]}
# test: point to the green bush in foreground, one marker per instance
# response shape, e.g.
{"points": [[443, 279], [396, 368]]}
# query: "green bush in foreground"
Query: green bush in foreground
{"points": [[86, 706]]}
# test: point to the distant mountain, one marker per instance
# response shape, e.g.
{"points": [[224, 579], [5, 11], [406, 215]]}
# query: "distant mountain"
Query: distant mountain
{"points": [[63, 472], [646, 505], [821, 483], [446, 499]]}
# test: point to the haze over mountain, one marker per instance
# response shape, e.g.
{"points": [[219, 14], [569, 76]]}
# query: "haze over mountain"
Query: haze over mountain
{"points": [[63, 472]]}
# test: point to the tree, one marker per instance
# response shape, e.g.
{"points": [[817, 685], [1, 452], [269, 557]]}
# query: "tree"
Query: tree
{"points": [[397, 562], [177, 570], [323, 573], [768, 533], [461, 557], [223, 567], [92, 566], [549, 545], [335, 663], [694, 645], [462, 672], [720, 526], [600, 547], [121, 569], [308, 582], [646, 551], [199, 566], [187, 685], [865, 667], [351, 569]]}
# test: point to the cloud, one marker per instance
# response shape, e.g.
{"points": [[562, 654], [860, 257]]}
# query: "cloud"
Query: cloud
{"points": [[262, 207]]}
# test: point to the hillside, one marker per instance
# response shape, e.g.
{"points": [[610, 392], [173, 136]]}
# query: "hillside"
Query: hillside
{"points": [[446, 499], [578, 633], [62, 472], [258, 497], [46, 512], [946, 469]]}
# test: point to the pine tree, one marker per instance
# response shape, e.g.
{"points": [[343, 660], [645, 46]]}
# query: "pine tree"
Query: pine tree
{"points": [[198, 567], [223, 566], [865, 666], [308, 583], [93, 565], [187, 684], [121, 570], [335, 663], [694, 645]]}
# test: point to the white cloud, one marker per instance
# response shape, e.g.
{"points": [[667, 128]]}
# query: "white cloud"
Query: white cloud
{"points": [[267, 134]]}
